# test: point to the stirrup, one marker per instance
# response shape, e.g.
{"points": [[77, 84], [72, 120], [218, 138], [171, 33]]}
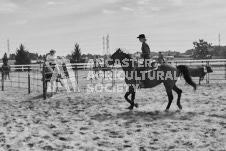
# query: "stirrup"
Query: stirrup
{"points": [[140, 84]]}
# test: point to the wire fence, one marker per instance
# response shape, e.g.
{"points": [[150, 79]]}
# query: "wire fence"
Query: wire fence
{"points": [[31, 77], [23, 76]]}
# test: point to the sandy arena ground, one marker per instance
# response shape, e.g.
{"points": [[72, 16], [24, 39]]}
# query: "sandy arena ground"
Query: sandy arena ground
{"points": [[100, 122]]}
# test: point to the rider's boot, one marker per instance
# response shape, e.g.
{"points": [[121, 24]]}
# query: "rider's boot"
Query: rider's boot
{"points": [[141, 82]]}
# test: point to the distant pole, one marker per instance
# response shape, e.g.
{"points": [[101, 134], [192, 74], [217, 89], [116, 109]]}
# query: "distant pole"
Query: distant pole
{"points": [[219, 39], [107, 41], [8, 47], [103, 46]]}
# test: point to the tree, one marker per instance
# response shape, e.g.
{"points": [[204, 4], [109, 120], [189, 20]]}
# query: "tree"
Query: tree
{"points": [[202, 49], [5, 59], [68, 56], [22, 56], [33, 56], [40, 57], [76, 54], [189, 52], [12, 56]]}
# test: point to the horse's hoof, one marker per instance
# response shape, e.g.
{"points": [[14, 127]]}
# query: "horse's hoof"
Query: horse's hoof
{"points": [[136, 105], [166, 110], [130, 108], [180, 107]]}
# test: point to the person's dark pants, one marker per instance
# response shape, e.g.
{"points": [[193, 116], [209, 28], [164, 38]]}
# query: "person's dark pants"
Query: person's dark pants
{"points": [[52, 66], [146, 64]]}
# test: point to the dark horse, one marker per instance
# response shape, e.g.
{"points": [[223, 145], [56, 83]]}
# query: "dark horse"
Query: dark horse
{"points": [[5, 69], [169, 82], [200, 72]]}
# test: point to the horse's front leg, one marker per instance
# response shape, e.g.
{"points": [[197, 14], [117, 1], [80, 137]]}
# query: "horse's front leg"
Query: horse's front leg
{"points": [[128, 100], [133, 98], [132, 104]]}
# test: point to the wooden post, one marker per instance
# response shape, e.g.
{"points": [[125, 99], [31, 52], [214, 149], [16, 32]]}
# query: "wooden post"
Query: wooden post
{"points": [[44, 81], [2, 81], [207, 74], [29, 80], [225, 68], [18, 79], [76, 74], [113, 77]]}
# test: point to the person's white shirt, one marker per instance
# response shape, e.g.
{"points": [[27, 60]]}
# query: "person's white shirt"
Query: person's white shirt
{"points": [[51, 58]]}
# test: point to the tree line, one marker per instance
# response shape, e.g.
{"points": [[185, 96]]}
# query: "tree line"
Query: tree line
{"points": [[23, 56], [202, 50]]}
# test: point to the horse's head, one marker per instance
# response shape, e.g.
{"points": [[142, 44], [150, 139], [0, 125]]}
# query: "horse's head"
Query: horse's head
{"points": [[209, 70], [119, 55]]}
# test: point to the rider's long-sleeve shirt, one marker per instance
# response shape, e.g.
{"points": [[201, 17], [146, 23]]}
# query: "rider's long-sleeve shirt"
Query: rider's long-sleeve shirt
{"points": [[145, 49]]}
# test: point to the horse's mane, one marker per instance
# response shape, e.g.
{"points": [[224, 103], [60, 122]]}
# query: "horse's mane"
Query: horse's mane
{"points": [[128, 56]]}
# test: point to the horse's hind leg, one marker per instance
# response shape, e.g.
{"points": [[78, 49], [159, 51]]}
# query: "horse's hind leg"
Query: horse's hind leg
{"points": [[169, 94], [170, 98], [178, 91]]}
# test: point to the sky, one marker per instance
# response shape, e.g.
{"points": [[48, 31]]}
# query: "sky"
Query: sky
{"points": [[41, 25]]}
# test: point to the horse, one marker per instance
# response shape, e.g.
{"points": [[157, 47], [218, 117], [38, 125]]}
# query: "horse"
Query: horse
{"points": [[200, 72], [5, 69], [130, 67]]}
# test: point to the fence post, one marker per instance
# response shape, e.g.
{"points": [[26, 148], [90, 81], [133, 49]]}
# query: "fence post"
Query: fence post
{"points": [[225, 68], [113, 79], [207, 74], [76, 73], [29, 80], [2, 81], [44, 81]]}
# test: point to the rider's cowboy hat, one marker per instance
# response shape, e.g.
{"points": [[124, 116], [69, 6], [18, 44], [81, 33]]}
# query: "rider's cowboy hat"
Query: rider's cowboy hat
{"points": [[52, 50], [141, 36]]}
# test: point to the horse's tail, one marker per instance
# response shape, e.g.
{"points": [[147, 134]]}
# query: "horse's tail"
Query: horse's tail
{"points": [[184, 70]]}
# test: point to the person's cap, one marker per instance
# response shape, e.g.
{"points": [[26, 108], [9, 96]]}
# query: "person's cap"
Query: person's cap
{"points": [[52, 50], [141, 36]]}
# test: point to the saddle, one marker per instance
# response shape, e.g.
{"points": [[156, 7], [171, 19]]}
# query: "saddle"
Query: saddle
{"points": [[150, 67], [153, 66]]}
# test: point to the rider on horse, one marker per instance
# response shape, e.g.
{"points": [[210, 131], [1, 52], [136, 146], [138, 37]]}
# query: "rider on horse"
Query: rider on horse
{"points": [[145, 48], [161, 58], [145, 54]]}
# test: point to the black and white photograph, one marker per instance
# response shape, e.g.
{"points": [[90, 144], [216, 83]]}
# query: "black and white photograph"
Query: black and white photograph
{"points": [[112, 75]]}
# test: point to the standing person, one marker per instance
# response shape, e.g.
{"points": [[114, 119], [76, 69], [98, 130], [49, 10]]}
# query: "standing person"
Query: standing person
{"points": [[161, 58], [51, 58]]}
